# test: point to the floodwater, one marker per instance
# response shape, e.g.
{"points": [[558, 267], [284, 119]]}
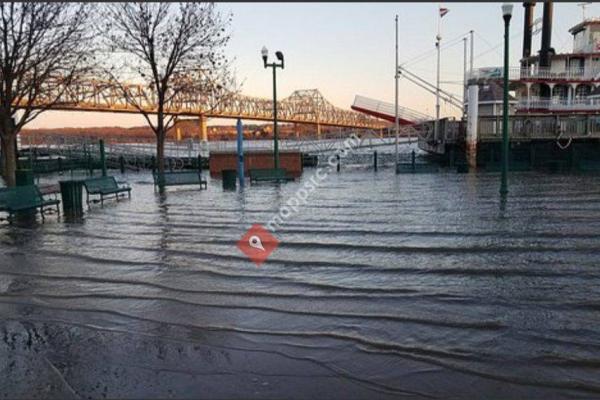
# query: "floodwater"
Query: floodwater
{"points": [[383, 286]]}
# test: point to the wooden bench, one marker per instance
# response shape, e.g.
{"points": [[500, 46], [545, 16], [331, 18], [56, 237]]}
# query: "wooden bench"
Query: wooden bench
{"points": [[269, 174], [179, 178], [104, 186], [24, 198]]}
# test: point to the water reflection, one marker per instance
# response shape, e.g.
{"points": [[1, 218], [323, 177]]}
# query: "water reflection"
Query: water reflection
{"points": [[163, 225], [503, 201], [383, 286]]}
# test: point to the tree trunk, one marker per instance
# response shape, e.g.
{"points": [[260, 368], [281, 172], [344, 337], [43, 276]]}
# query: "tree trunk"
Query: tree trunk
{"points": [[2, 159], [160, 152], [160, 144], [160, 159], [9, 154]]}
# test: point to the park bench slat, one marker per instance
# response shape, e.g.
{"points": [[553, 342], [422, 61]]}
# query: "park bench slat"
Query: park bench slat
{"points": [[176, 178], [103, 186], [23, 198], [268, 174]]}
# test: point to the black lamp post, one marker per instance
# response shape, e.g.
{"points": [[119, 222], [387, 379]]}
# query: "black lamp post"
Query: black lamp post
{"points": [[506, 15], [274, 65]]}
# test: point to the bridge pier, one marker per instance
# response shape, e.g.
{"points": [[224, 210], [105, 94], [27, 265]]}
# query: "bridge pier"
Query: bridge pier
{"points": [[202, 121]]}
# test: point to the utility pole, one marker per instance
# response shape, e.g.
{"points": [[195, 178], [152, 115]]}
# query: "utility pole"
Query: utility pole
{"points": [[396, 127]]}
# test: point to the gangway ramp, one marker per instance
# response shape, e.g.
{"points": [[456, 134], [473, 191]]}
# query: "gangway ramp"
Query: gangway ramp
{"points": [[385, 111]]}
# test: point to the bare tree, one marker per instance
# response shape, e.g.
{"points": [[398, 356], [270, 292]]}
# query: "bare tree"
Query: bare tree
{"points": [[171, 52], [44, 48]]}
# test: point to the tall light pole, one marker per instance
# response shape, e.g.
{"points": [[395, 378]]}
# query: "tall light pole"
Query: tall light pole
{"points": [[265, 54], [437, 82], [396, 76], [506, 15]]}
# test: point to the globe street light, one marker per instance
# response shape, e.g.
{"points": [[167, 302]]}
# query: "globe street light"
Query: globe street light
{"points": [[265, 53], [506, 14], [279, 55]]}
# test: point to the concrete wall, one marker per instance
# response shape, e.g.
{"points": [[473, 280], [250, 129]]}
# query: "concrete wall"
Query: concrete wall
{"points": [[291, 161]]}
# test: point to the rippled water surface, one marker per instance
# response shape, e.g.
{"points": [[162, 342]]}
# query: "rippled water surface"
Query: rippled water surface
{"points": [[384, 286]]}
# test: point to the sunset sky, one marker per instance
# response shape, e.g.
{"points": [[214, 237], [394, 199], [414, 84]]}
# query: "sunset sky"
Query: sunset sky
{"points": [[348, 49]]}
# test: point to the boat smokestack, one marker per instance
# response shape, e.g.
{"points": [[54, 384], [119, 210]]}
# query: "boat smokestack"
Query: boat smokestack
{"points": [[527, 30], [545, 91], [546, 35]]}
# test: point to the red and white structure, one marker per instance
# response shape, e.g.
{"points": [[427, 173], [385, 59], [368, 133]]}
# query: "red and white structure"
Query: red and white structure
{"points": [[385, 111]]}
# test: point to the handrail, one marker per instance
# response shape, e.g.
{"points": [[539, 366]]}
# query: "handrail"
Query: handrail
{"points": [[540, 126], [535, 72], [560, 103], [388, 109]]}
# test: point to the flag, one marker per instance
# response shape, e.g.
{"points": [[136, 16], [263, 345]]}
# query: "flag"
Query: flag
{"points": [[443, 11]]}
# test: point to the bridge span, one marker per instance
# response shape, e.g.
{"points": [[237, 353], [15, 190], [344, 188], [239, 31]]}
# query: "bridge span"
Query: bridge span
{"points": [[302, 106]]}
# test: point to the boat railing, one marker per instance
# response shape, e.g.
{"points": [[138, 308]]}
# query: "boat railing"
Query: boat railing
{"points": [[538, 73], [523, 127], [560, 104]]}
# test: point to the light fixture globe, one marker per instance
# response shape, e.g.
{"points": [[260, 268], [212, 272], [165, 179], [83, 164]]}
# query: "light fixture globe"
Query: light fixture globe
{"points": [[507, 9], [265, 53]]}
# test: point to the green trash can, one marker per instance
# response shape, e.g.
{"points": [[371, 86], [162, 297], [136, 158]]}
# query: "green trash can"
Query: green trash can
{"points": [[72, 197], [24, 177], [229, 178]]}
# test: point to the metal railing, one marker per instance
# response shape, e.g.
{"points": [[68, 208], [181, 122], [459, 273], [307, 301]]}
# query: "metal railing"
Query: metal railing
{"points": [[534, 73], [560, 104], [526, 127]]}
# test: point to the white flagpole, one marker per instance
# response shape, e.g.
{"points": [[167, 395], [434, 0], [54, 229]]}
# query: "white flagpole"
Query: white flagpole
{"points": [[472, 51], [396, 127], [464, 78]]}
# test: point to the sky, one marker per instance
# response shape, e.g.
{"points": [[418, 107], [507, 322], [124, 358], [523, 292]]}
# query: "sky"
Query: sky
{"points": [[347, 49]]}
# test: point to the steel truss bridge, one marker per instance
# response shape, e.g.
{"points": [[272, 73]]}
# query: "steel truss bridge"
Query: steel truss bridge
{"points": [[302, 106]]}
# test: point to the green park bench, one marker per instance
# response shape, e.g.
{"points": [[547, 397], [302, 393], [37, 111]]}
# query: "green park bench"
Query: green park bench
{"points": [[268, 174], [179, 178], [104, 186], [24, 198]]}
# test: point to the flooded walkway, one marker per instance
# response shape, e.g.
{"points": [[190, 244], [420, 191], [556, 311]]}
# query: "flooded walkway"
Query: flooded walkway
{"points": [[384, 286]]}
